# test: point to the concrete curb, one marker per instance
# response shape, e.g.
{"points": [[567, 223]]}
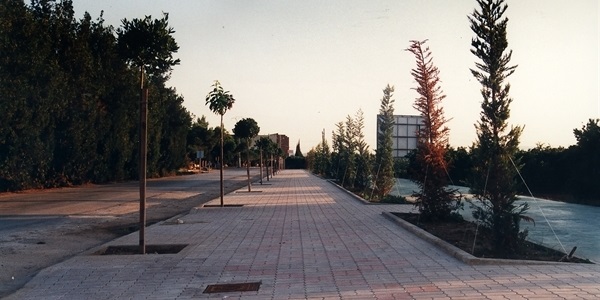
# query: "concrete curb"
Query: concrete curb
{"points": [[446, 247], [457, 252]]}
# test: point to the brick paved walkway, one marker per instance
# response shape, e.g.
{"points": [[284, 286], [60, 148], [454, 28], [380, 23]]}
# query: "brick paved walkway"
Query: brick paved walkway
{"points": [[302, 238]]}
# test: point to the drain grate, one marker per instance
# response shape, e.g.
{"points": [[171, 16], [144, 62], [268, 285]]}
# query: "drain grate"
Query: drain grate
{"points": [[232, 287]]}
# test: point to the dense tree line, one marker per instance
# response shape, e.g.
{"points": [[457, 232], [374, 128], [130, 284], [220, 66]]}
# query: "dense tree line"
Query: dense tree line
{"points": [[70, 102], [567, 174]]}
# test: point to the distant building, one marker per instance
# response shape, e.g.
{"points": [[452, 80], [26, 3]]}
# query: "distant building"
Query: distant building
{"points": [[404, 136], [282, 140]]}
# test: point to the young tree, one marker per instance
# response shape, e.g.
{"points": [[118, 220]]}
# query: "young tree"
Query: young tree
{"points": [[321, 164], [339, 148], [146, 44], [220, 101], [349, 155], [495, 168], [246, 129], [363, 157], [435, 200], [384, 160], [265, 147]]}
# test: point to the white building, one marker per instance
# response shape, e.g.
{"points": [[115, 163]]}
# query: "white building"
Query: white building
{"points": [[405, 133]]}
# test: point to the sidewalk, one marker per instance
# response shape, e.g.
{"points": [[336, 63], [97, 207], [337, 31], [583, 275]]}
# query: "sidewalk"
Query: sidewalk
{"points": [[300, 237]]}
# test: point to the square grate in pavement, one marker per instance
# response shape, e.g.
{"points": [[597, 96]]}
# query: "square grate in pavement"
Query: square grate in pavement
{"points": [[232, 287], [135, 249]]}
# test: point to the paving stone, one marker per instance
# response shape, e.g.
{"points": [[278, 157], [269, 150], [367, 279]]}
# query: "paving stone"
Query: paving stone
{"points": [[302, 238]]}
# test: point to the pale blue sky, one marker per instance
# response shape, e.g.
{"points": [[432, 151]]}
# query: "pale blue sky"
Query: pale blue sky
{"points": [[298, 67]]}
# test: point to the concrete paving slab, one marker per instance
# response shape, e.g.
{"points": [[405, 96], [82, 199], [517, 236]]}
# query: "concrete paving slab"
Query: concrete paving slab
{"points": [[302, 238]]}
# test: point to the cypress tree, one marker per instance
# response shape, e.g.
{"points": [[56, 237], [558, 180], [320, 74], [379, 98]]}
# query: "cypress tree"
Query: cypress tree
{"points": [[495, 169], [384, 160]]}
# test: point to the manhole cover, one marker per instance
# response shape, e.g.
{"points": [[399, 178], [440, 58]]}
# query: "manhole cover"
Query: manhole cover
{"points": [[232, 287]]}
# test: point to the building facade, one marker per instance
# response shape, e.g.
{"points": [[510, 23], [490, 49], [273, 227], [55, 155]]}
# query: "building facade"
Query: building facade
{"points": [[282, 140], [404, 135]]}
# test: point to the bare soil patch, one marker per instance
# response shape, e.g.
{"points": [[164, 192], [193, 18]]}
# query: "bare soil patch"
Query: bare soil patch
{"points": [[462, 234]]}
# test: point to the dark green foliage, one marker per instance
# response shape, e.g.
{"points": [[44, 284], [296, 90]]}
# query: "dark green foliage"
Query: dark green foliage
{"points": [[587, 166], [149, 44], [70, 102], [246, 129], [319, 159], [544, 170], [570, 174], [384, 160], [460, 165], [364, 158], [295, 162], [393, 199], [218, 100], [202, 138], [269, 150], [495, 168], [401, 167], [298, 152]]}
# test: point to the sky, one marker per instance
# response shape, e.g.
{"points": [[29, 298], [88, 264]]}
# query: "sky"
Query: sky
{"points": [[300, 67]]}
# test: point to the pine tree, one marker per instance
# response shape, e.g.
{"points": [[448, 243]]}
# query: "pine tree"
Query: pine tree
{"points": [[435, 200], [495, 168], [384, 160]]}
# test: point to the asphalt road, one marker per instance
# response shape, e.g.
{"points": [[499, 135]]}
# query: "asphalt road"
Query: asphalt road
{"points": [[43, 227]]}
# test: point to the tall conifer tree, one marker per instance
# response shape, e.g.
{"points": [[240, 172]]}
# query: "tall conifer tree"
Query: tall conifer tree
{"points": [[435, 200], [495, 169], [384, 159]]}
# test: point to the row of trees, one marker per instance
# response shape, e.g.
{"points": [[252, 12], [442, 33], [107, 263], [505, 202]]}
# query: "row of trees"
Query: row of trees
{"points": [[350, 161], [70, 99], [73, 96], [493, 164], [203, 137]]}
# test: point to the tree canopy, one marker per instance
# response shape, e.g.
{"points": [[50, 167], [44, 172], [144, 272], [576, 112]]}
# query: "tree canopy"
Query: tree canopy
{"points": [[69, 77]]}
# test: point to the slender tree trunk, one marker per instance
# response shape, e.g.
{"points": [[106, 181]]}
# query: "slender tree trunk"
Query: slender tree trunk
{"points": [[248, 164], [261, 167], [267, 164], [143, 155], [222, 162]]}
